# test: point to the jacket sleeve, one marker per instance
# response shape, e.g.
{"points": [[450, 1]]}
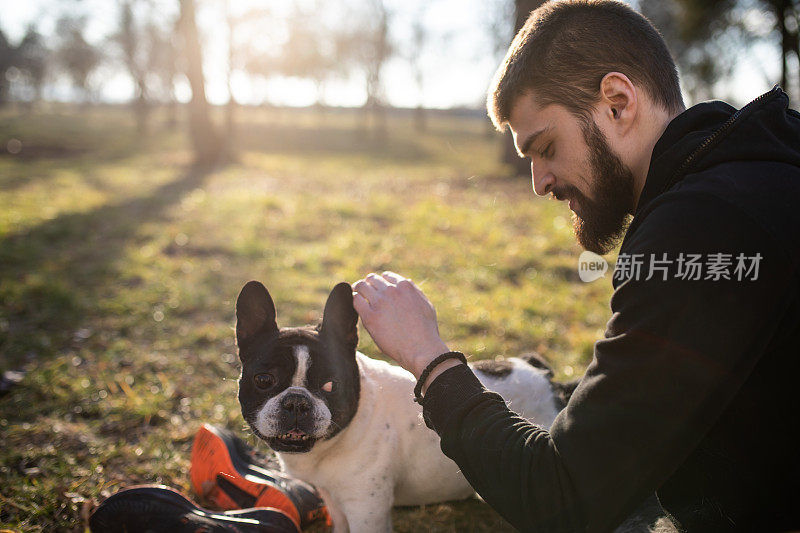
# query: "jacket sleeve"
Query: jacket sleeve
{"points": [[674, 355]]}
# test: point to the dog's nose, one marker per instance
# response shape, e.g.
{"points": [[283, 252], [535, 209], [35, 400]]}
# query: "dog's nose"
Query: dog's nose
{"points": [[296, 403]]}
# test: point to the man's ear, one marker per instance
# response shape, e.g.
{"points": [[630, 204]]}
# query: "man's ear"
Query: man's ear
{"points": [[619, 100], [340, 320], [255, 312]]}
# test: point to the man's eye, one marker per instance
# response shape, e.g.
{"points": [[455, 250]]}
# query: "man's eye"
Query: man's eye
{"points": [[264, 381], [548, 151]]}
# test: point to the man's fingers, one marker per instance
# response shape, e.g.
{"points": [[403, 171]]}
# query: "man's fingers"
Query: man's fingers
{"points": [[397, 279], [393, 277], [400, 281], [360, 304], [365, 290], [376, 281]]}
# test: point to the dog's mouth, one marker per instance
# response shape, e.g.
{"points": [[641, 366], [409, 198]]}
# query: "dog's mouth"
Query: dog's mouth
{"points": [[294, 435], [294, 440]]}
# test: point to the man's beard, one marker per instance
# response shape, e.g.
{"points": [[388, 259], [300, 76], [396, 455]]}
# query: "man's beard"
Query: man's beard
{"points": [[602, 222]]}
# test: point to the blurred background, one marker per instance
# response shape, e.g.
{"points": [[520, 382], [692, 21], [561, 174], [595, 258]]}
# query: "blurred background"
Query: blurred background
{"points": [[306, 52], [157, 154], [375, 55]]}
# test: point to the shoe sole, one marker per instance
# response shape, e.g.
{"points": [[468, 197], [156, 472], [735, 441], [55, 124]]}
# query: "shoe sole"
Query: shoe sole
{"points": [[160, 509]]}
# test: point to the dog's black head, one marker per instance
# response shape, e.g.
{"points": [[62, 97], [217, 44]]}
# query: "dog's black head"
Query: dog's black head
{"points": [[298, 385]]}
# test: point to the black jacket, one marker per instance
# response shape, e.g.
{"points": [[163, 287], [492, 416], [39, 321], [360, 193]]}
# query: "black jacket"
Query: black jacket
{"points": [[693, 392]]}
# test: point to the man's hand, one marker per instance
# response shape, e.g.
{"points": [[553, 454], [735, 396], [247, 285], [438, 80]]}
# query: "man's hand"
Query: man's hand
{"points": [[401, 321]]}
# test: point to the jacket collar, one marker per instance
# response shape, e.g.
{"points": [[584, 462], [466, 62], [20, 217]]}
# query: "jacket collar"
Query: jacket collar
{"points": [[688, 138]]}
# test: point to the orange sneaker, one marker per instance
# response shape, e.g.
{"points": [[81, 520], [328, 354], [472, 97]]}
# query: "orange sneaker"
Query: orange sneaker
{"points": [[226, 471]]}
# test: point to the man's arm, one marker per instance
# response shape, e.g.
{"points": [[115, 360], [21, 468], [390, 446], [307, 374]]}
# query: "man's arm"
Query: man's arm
{"points": [[513, 464], [676, 352]]}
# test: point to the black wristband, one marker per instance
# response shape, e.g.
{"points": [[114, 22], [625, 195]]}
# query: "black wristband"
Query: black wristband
{"points": [[428, 369]]}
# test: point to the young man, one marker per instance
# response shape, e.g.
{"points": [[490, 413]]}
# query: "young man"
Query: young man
{"points": [[691, 392]]}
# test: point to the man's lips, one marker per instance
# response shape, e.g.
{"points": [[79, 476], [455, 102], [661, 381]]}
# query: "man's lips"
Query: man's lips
{"points": [[563, 198]]}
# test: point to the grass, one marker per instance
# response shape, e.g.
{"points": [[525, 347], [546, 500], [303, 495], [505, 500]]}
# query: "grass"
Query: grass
{"points": [[120, 263]]}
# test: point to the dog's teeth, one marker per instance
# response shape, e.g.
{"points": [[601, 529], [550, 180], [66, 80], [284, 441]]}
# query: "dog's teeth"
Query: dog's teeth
{"points": [[294, 437]]}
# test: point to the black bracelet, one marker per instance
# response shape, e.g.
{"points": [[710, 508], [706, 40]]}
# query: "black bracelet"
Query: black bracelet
{"points": [[428, 369]]}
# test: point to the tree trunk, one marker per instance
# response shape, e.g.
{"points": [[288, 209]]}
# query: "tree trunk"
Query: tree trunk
{"points": [[230, 121], [172, 104], [380, 128], [205, 141], [230, 109], [141, 108], [420, 120], [520, 167], [172, 114], [795, 43], [780, 13]]}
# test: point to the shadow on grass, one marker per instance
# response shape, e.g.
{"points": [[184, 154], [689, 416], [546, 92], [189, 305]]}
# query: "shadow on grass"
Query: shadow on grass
{"points": [[325, 140], [52, 159], [46, 143], [52, 274]]}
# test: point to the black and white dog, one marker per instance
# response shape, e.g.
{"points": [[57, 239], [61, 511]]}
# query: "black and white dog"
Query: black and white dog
{"points": [[347, 423]]}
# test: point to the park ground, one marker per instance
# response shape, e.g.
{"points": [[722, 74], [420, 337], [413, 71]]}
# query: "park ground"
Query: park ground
{"points": [[120, 263]]}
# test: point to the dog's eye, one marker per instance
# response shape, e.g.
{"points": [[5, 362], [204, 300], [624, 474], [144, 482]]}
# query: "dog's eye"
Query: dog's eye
{"points": [[264, 381], [328, 387]]}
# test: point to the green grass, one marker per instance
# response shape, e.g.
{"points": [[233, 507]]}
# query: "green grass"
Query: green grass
{"points": [[120, 263]]}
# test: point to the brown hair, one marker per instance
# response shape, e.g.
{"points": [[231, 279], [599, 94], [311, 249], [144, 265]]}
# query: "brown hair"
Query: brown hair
{"points": [[566, 48]]}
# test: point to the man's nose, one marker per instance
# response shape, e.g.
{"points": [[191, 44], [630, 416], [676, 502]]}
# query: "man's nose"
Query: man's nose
{"points": [[543, 181]]}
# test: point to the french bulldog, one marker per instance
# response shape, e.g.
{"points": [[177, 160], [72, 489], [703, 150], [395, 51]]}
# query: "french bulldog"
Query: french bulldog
{"points": [[347, 423]]}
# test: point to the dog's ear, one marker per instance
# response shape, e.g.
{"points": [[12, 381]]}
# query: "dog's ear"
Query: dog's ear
{"points": [[255, 312], [340, 320]]}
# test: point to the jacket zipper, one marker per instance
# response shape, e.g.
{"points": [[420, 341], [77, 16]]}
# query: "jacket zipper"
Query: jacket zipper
{"points": [[711, 139], [701, 149]]}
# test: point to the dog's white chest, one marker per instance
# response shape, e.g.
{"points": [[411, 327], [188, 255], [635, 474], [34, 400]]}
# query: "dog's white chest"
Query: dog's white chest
{"points": [[387, 456]]}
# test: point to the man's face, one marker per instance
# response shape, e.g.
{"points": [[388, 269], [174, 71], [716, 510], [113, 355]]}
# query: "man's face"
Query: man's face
{"points": [[572, 161]]}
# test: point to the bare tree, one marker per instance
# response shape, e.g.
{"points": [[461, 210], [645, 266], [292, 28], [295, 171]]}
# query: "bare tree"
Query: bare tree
{"points": [[205, 140], [162, 66], [7, 60], [365, 44], [309, 50], [500, 18], [32, 55], [75, 55], [230, 109], [132, 44], [419, 40], [250, 49], [702, 41], [708, 37], [522, 9], [786, 14], [378, 52]]}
